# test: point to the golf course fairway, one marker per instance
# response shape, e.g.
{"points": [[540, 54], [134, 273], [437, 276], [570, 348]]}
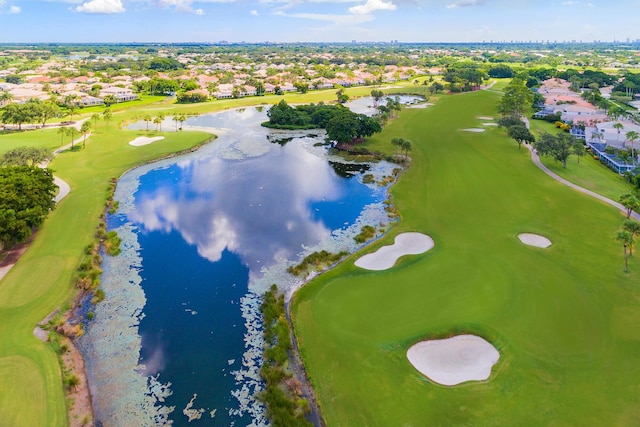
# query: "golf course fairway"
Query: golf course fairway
{"points": [[564, 319]]}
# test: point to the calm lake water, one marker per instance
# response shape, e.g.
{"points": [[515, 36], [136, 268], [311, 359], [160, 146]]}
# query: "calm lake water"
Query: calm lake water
{"points": [[178, 337]]}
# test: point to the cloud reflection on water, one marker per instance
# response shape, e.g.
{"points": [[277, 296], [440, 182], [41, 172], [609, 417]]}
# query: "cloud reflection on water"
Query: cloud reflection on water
{"points": [[262, 212]]}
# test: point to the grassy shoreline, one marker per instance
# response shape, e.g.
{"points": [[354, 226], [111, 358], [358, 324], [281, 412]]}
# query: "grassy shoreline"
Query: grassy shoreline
{"points": [[42, 280]]}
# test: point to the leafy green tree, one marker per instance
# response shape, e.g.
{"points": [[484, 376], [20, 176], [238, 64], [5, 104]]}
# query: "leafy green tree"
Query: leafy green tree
{"points": [[517, 97], [109, 100], [342, 96], [343, 128], [23, 211], [520, 134], [631, 203], [578, 150], [25, 156], [377, 95], [559, 147]]}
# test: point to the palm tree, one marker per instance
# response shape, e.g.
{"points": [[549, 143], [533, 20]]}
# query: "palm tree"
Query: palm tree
{"points": [[618, 126], [95, 119], [175, 119], [634, 228], [62, 131], [5, 97], [406, 146], [71, 131], [84, 130], [632, 136], [397, 142], [157, 121], [630, 202], [626, 238], [147, 119], [182, 118], [161, 119], [107, 115]]}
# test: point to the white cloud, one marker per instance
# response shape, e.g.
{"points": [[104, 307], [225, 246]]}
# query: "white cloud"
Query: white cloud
{"points": [[15, 9], [254, 12], [2, 2], [101, 6], [465, 3], [199, 12], [371, 6]]}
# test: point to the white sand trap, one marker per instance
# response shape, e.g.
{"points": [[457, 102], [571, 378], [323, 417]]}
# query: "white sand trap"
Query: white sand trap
{"points": [[473, 130], [144, 140], [534, 240], [419, 105], [404, 244], [490, 124], [485, 118], [454, 360]]}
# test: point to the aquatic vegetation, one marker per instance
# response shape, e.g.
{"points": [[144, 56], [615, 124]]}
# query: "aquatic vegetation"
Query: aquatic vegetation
{"points": [[367, 233], [283, 395], [316, 261]]}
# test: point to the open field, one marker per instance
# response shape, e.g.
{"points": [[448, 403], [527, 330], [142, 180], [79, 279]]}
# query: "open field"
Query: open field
{"points": [[564, 319], [47, 138], [31, 390]]}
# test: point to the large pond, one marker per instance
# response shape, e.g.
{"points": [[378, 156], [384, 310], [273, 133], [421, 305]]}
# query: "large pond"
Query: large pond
{"points": [[177, 339]]}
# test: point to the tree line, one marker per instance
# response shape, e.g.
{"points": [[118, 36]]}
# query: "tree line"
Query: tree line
{"points": [[342, 125]]}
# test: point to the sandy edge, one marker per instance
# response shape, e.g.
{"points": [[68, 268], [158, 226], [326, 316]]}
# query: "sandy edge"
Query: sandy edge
{"points": [[536, 240], [386, 256], [144, 140], [454, 360]]}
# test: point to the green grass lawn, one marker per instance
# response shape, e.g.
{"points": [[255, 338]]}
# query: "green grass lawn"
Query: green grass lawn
{"points": [[47, 138], [564, 319], [589, 173], [31, 389]]}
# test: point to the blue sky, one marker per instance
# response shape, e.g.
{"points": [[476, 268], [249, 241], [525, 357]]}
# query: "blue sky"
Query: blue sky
{"points": [[316, 20]]}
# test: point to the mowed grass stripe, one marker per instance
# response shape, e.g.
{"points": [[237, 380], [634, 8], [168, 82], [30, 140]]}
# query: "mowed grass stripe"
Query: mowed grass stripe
{"points": [[558, 316]]}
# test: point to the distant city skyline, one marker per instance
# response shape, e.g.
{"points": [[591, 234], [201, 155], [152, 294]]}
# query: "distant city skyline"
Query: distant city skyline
{"points": [[32, 21]]}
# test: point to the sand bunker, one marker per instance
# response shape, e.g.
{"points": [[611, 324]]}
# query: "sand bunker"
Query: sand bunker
{"points": [[473, 130], [419, 105], [404, 244], [489, 124], [144, 140], [534, 240], [454, 360], [485, 118]]}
